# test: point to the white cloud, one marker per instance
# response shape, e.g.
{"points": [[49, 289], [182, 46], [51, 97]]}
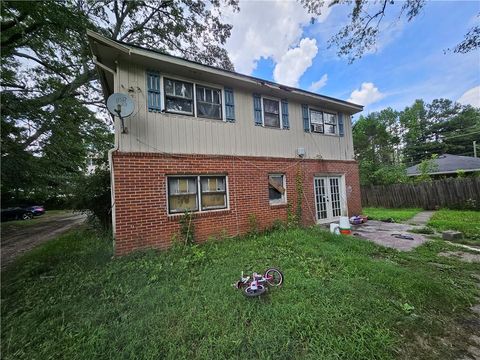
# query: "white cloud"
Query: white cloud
{"points": [[317, 85], [294, 62], [471, 97], [265, 29], [368, 94]]}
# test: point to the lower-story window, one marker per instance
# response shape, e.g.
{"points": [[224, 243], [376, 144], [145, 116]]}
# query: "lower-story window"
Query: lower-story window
{"points": [[182, 194], [276, 189], [185, 193], [214, 194]]}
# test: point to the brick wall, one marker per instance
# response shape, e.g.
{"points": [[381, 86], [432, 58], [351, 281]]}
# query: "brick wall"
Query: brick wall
{"points": [[141, 201]]}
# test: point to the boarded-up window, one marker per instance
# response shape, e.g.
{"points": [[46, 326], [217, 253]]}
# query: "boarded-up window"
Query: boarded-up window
{"points": [[214, 195], [276, 188], [182, 194]]}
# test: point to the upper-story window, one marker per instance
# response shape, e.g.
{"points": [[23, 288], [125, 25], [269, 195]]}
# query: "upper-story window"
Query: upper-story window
{"points": [[209, 102], [316, 121], [330, 121], [323, 122], [271, 113], [178, 96]]}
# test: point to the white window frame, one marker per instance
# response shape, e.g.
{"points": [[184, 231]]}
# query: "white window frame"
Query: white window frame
{"points": [[310, 109], [279, 112], [336, 123], [222, 109], [199, 195], [283, 200], [195, 83], [164, 107], [168, 194]]}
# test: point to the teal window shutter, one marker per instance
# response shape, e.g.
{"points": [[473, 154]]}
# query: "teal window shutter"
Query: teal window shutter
{"points": [[306, 119], [285, 122], [229, 105], [340, 124], [257, 109], [153, 91]]}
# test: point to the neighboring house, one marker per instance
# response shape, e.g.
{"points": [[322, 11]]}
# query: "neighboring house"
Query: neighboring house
{"points": [[448, 165], [233, 149]]}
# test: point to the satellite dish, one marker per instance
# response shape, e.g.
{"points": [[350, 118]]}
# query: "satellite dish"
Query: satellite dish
{"points": [[120, 105]]}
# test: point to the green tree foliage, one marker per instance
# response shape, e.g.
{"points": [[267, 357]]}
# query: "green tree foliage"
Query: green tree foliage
{"points": [[361, 33], [377, 139], [426, 167], [388, 141], [50, 95]]}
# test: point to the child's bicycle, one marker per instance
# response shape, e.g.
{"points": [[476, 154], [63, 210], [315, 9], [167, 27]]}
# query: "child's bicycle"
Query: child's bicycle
{"points": [[256, 285]]}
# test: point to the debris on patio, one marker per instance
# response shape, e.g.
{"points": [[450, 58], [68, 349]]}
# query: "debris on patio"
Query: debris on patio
{"points": [[452, 235], [391, 235]]}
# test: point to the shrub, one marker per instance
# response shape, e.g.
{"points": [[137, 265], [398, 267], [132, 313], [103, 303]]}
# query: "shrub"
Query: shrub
{"points": [[92, 196]]}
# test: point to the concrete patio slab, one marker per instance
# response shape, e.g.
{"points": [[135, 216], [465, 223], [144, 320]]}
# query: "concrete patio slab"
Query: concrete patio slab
{"points": [[421, 218], [381, 233]]}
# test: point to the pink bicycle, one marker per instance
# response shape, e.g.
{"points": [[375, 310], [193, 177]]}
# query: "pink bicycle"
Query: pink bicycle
{"points": [[257, 284]]}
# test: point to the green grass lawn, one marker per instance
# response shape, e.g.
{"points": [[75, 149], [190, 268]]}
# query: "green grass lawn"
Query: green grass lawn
{"points": [[398, 215], [468, 222], [343, 298]]}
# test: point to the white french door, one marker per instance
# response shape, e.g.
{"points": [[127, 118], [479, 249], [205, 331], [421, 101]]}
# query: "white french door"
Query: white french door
{"points": [[329, 198]]}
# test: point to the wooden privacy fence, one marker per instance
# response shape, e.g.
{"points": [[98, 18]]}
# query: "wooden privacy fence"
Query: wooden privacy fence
{"points": [[450, 192]]}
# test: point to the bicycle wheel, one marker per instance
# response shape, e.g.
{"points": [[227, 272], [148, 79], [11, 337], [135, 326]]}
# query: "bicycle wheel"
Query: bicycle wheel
{"points": [[274, 277], [252, 293]]}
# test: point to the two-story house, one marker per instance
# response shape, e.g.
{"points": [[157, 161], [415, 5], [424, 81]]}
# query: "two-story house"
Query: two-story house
{"points": [[235, 150]]}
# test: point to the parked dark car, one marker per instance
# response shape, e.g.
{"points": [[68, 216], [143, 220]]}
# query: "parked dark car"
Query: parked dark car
{"points": [[36, 210], [16, 213]]}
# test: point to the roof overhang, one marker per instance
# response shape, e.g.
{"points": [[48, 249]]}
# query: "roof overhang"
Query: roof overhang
{"points": [[107, 53]]}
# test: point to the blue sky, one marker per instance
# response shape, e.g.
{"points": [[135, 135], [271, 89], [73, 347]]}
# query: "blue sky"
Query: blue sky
{"points": [[274, 40]]}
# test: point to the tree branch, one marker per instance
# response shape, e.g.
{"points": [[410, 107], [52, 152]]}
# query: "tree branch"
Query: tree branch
{"points": [[44, 64]]}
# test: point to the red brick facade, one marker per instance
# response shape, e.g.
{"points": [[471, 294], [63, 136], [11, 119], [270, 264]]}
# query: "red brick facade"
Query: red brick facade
{"points": [[142, 220]]}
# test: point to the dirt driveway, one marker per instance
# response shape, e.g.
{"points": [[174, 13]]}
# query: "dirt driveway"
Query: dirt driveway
{"points": [[19, 237]]}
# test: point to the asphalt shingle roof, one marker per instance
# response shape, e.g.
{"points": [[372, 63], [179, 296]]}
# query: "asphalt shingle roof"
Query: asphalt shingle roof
{"points": [[450, 163]]}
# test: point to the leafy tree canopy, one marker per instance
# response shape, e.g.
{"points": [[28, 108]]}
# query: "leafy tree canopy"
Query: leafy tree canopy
{"points": [[50, 96], [360, 35], [388, 141]]}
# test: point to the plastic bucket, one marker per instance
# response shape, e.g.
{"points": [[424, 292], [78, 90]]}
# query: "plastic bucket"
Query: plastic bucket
{"points": [[345, 226], [335, 229]]}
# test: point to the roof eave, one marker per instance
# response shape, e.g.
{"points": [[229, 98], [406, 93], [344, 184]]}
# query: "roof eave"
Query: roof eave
{"points": [[94, 37], [446, 172]]}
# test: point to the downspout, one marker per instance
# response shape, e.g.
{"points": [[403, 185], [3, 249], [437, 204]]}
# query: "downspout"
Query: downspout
{"points": [[110, 162]]}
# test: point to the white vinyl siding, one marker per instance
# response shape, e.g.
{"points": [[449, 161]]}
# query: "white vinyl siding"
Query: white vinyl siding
{"points": [[180, 134]]}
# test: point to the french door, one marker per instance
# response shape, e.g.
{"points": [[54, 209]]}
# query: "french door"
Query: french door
{"points": [[329, 198]]}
